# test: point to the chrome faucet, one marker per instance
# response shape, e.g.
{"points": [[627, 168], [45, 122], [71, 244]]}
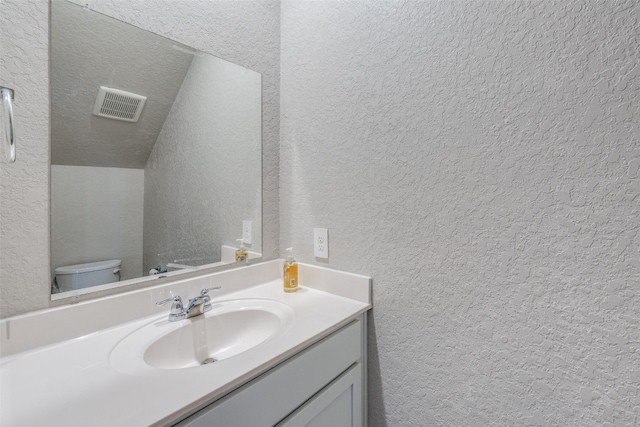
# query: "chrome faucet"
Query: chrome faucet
{"points": [[197, 306]]}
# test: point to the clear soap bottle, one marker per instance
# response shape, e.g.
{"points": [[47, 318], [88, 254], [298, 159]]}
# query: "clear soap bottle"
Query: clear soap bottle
{"points": [[290, 273], [242, 255]]}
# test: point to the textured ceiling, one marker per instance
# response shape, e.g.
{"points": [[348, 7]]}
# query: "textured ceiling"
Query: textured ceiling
{"points": [[89, 50]]}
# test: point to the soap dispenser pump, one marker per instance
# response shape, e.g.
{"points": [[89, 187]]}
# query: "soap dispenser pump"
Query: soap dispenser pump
{"points": [[242, 255], [290, 273]]}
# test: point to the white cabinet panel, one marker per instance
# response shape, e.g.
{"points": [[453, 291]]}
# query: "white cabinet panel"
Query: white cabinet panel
{"points": [[274, 395], [339, 404]]}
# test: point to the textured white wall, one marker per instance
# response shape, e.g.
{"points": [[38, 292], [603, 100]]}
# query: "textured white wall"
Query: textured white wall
{"points": [[204, 174], [24, 185], [480, 160], [96, 215], [243, 32]]}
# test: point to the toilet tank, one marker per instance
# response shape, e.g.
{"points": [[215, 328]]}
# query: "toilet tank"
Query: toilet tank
{"points": [[72, 277]]}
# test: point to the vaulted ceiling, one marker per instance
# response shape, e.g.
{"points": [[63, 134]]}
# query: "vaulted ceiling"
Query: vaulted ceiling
{"points": [[89, 50]]}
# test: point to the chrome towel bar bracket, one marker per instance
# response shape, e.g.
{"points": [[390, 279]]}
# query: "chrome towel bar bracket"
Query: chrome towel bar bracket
{"points": [[7, 100]]}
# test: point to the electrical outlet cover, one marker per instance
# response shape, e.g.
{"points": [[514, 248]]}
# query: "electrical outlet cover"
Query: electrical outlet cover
{"points": [[246, 232], [321, 243]]}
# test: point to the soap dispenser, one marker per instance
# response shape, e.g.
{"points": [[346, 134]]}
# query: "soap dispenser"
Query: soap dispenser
{"points": [[242, 255], [290, 273]]}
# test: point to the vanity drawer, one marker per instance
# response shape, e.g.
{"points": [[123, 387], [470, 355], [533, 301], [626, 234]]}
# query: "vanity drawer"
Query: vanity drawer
{"points": [[278, 392]]}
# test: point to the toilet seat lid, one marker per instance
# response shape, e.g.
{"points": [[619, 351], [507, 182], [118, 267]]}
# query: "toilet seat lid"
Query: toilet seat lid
{"points": [[87, 267]]}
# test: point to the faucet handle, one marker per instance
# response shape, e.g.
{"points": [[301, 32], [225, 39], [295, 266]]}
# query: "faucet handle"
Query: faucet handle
{"points": [[164, 301], [204, 294], [205, 291], [176, 308]]}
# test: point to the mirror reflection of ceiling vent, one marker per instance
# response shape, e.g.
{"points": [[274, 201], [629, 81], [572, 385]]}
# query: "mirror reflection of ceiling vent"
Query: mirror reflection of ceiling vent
{"points": [[118, 105]]}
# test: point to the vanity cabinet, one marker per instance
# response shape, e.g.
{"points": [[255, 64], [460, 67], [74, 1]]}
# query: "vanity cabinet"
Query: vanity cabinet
{"points": [[322, 385], [339, 404]]}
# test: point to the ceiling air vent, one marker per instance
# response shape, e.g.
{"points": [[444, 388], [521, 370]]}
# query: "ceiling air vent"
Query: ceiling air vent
{"points": [[118, 104]]}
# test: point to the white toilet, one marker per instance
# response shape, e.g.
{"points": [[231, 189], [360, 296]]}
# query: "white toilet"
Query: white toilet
{"points": [[72, 277]]}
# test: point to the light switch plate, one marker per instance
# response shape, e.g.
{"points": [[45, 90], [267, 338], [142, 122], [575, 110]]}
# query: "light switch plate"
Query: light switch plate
{"points": [[246, 232], [321, 243]]}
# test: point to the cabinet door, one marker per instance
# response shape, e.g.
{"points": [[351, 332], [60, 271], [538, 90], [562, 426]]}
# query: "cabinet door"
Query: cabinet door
{"points": [[339, 404], [282, 390]]}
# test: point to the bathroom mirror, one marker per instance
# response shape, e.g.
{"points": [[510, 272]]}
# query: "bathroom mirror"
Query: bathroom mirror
{"points": [[166, 193]]}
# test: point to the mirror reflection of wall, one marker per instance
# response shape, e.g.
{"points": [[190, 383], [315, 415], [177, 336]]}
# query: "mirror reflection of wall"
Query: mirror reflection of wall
{"points": [[202, 177], [173, 187]]}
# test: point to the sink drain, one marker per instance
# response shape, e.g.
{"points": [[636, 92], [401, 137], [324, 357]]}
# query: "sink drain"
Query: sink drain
{"points": [[208, 360]]}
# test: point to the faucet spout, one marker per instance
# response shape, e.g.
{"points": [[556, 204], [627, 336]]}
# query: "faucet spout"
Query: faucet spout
{"points": [[197, 306]]}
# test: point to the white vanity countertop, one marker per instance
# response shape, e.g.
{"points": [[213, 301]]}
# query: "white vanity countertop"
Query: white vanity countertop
{"points": [[72, 382]]}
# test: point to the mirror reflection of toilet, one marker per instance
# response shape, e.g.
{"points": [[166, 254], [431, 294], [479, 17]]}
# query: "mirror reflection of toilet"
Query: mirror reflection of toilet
{"points": [[78, 276]]}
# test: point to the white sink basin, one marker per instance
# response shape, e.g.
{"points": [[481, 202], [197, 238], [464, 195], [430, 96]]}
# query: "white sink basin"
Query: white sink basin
{"points": [[230, 328]]}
